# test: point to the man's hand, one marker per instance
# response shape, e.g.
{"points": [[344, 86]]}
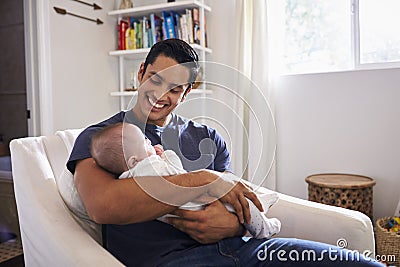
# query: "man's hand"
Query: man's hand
{"points": [[206, 226], [236, 194]]}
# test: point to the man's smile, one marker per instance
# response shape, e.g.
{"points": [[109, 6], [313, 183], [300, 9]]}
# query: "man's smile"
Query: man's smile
{"points": [[155, 104]]}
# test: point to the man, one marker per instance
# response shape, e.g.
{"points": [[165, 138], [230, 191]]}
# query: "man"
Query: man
{"points": [[128, 207]]}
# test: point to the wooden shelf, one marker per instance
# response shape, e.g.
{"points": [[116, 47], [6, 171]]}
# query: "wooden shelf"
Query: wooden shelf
{"points": [[124, 93], [139, 12], [145, 10], [134, 93], [142, 52]]}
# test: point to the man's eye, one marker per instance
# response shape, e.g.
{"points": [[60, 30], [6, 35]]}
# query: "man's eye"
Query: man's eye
{"points": [[155, 81], [176, 90]]}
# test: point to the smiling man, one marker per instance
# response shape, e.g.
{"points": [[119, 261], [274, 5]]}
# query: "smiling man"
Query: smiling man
{"points": [[208, 237], [164, 85], [133, 234]]}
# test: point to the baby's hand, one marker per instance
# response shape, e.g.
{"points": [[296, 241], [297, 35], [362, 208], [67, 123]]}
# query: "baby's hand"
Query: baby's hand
{"points": [[159, 150]]}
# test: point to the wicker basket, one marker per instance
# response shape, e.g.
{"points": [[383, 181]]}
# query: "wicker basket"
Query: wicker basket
{"points": [[387, 243], [348, 191]]}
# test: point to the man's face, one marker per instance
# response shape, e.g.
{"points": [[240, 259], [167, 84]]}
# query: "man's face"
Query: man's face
{"points": [[163, 87]]}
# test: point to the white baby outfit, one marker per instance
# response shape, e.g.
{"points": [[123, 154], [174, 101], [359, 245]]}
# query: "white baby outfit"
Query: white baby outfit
{"points": [[170, 164]]}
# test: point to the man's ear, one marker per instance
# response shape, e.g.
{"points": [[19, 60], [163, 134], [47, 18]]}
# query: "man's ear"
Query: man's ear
{"points": [[186, 93], [132, 161], [140, 72]]}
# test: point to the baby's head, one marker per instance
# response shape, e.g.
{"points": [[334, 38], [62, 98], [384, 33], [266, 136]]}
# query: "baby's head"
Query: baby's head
{"points": [[118, 147]]}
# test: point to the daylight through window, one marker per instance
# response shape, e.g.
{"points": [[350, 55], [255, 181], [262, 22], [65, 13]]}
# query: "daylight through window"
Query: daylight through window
{"points": [[332, 35]]}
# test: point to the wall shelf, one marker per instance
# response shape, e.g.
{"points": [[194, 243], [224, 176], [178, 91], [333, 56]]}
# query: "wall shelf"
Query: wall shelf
{"points": [[145, 10], [142, 52], [139, 55], [134, 93], [124, 93]]}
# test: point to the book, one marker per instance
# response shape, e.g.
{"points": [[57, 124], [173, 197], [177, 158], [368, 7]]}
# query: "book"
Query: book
{"points": [[123, 26], [205, 31], [170, 27], [130, 36], [196, 26], [156, 28], [165, 29], [183, 28], [176, 24], [130, 39], [189, 20], [138, 33], [150, 36], [153, 27], [145, 25]]}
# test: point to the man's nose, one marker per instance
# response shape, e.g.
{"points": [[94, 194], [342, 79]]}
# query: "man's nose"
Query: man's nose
{"points": [[161, 92]]}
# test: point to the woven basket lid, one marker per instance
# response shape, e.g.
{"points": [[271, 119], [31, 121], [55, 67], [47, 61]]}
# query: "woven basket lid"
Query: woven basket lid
{"points": [[340, 180]]}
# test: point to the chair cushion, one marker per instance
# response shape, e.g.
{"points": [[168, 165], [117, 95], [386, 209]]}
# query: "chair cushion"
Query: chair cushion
{"points": [[65, 180], [69, 194]]}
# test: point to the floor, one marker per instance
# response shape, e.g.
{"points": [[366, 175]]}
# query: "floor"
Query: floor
{"points": [[10, 242], [11, 253]]}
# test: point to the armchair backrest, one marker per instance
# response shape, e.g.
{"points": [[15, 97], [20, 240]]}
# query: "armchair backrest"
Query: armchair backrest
{"points": [[50, 234]]}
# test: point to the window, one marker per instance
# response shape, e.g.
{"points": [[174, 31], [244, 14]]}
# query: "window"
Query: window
{"points": [[331, 35], [379, 31]]}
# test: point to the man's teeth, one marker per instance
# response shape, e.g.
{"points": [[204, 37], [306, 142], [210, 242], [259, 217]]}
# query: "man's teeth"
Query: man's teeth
{"points": [[155, 104]]}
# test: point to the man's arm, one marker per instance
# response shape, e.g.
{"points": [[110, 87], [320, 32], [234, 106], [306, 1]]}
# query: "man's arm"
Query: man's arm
{"points": [[121, 201], [114, 201]]}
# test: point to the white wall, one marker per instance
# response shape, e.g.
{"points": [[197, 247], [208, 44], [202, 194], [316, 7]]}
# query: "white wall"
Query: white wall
{"points": [[80, 72], [340, 122], [222, 32]]}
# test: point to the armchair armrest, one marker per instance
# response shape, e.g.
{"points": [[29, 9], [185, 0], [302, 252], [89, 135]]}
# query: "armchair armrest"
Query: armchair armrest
{"points": [[323, 223], [50, 235]]}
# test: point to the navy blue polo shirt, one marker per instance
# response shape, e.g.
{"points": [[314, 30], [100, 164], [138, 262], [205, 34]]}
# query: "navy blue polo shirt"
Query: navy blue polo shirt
{"points": [[197, 145]]}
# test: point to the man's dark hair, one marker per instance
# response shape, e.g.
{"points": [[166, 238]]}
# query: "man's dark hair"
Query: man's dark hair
{"points": [[178, 50]]}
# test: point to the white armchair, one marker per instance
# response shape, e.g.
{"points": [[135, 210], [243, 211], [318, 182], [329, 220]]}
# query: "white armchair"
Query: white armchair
{"points": [[52, 236]]}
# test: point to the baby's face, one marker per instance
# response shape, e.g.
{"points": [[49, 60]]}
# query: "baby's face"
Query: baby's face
{"points": [[149, 148], [137, 144]]}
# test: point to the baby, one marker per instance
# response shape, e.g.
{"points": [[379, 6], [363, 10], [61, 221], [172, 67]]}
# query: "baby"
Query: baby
{"points": [[143, 159]]}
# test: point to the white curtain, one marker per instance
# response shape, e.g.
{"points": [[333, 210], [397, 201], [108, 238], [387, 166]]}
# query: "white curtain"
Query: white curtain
{"points": [[259, 143]]}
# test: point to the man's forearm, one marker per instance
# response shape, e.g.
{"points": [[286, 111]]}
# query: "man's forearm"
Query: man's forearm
{"points": [[123, 201]]}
